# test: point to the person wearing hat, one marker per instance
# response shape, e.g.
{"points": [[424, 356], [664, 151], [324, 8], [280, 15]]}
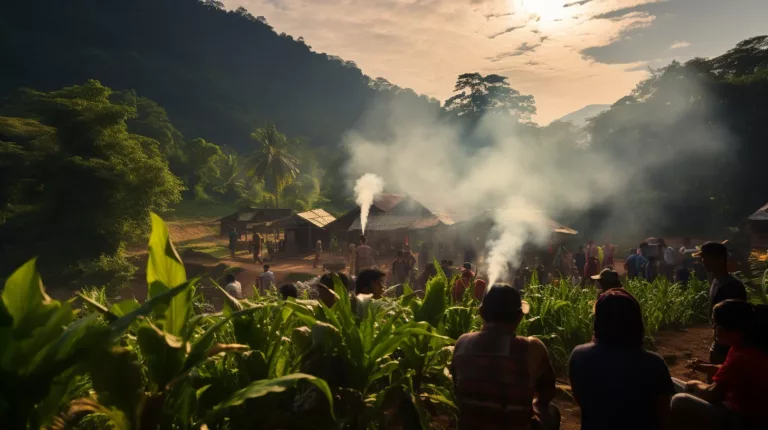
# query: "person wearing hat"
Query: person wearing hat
{"points": [[607, 279], [498, 374], [714, 257], [617, 383]]}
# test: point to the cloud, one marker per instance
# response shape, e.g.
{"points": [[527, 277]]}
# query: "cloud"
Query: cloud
{"points": [[506, 31], [426, 44], [520, 50], [577, 3], [679, 45]]}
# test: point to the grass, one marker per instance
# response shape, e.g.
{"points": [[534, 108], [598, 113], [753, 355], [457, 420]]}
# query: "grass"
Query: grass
{"points": [[197, 209]]}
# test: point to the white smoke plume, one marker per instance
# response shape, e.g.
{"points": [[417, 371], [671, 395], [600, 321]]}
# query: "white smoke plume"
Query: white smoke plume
{"points": [[367, 188], [524, 178]]}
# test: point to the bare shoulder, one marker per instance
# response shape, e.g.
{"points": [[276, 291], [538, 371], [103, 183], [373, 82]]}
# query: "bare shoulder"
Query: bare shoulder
{"points": [[534, 343]]}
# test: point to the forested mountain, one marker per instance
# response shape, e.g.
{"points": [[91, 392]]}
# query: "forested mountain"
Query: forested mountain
{"points": [[218, 74]]}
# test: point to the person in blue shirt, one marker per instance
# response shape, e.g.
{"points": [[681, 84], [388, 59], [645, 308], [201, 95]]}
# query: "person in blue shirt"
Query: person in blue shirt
{"points": [[630, 264], [641, 263]]}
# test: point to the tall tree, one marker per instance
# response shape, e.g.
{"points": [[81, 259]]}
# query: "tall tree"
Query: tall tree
{"points": [[271, 163], [478, 95]]}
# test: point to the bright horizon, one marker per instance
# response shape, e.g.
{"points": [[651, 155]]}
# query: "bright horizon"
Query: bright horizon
{"points": [[566, 53]]}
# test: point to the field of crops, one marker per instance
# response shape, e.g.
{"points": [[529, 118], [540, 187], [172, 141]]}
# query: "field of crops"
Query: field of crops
{"points": [[262, 363]]}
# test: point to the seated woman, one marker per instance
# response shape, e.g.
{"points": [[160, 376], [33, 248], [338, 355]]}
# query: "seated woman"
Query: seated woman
{"points": [[738, 396], [617, 383]]}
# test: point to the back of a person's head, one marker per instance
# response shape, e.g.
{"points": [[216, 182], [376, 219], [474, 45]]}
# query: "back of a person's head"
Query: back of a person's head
{"points": [[618, 319], [288, 290], [502, 303], [633, 251], [266, 267], [230, 278], [365, 280], [468, 266], [399, 254], [740, 316], [328, 279], [363, 239]]}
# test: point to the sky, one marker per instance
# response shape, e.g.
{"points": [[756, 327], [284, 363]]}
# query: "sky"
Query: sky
{"points": [[566, 53]]}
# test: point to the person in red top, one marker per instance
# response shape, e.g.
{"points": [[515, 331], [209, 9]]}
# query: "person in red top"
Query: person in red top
{"points": [[480, 286], [461, 284], [738, 395]]}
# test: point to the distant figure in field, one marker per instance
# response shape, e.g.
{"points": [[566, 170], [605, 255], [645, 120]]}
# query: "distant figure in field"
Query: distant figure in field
{"points": [[580, 260], [370, 281], [318, 251], [256, 248], [502, 380], [738, 395], [593, 262], [233, 287], [233, 237], [424, 256], [609, 255], [630, 264], [288, 290], [410, 263], [421, 282], [399, 270], [615, 381], [266, 280], [724, 286], [351, 257], [363, 256], [607, 279], [462, 283]]}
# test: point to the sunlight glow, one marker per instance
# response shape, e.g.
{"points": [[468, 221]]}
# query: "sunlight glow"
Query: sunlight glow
{"points": [[546, 10]]}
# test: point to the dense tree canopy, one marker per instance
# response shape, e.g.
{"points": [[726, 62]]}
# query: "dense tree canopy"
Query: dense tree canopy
{"points": [[75, 182]]}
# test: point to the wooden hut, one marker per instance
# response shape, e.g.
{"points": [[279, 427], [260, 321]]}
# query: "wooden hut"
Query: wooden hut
{"points": [[245, 218], [301, 231]]}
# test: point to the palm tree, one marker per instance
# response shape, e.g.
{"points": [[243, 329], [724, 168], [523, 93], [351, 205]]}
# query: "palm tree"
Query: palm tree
{"points": [[271, 163]]}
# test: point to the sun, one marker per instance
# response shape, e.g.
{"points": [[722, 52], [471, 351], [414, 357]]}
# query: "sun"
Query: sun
{"points": [[545, 10]]}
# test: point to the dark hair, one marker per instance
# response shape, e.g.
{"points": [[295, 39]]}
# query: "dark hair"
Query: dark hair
{"points": [[643, 245], [363, 239], [750, 320], [468, 266], [618, 319], [632, 251], [288, 290], [266, 267], [365, 280], [229, 278], [327, 280], [501, 304], [399, 253]]}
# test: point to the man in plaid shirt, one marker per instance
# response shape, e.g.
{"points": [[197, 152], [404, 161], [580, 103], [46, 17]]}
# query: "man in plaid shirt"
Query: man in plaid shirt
{"points": [[503, 381]]}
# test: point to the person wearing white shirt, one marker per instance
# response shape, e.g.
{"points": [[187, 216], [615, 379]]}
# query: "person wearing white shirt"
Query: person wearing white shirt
{"points": [[266, 279], [233, 287]]}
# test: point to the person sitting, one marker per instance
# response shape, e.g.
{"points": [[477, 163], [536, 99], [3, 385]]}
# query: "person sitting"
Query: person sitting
{"points": [[326, 287], [233, 287], [288, 290], [607, 279], [714, 257], [370, 281], [738, 395], [615, 381], [503, 381]]}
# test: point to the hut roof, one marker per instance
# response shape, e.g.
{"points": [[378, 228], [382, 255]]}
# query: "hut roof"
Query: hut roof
{"points": [[317, 217], [760, 215]]}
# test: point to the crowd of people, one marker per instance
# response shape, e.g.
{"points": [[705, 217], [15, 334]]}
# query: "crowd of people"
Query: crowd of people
{"points": [[506, 381]]}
